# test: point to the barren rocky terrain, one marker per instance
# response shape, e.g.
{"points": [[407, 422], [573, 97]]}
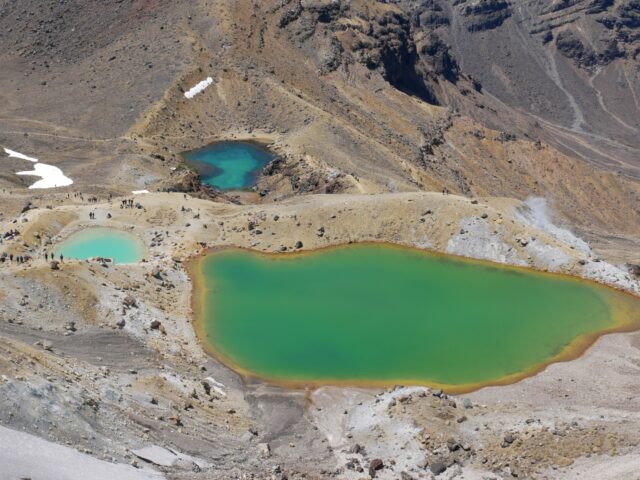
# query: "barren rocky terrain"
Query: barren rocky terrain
{"points": [[527, 112]]}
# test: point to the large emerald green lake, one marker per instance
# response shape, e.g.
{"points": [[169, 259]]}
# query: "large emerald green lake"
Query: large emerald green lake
{"points": [[229, 165], [121, 247], [374, 314]]}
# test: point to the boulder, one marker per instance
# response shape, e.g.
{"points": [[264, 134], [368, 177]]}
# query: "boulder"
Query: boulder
{"points": [[509, 438], [129, 302], [634, 269], [156, 273], [437, 466], [375, 465]]}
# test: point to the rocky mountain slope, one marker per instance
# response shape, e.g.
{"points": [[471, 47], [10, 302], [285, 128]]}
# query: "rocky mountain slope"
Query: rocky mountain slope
{"points": [[527, 111]]}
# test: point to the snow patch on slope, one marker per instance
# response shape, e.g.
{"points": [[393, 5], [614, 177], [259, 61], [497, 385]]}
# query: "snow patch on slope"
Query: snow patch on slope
{"points": [[26, 456], [199, 87], [14, 154], [50, 176]]}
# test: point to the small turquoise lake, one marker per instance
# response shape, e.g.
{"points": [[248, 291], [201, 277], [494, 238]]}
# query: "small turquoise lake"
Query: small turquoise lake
{"points": [[229, 165], [121, 247]]}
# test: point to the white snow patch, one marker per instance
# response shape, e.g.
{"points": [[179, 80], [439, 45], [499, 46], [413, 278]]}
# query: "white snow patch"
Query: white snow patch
{"points": [[139, 192], [51, 176], [199, 87], [535, 212], [13, 153], [26, 456]]}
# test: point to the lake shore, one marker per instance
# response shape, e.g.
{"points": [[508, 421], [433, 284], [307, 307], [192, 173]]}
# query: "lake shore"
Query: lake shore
{"points": [[168, 360]]}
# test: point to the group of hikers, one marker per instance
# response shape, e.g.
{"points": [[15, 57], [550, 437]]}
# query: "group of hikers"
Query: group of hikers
{"points": [[13, 233], [93, 199], [46, 257], [10, 257], [128, 203]]}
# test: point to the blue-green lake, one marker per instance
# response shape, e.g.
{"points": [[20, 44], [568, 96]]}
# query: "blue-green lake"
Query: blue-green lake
{"points": [[375, 314], [229, 165], [121, 247]]}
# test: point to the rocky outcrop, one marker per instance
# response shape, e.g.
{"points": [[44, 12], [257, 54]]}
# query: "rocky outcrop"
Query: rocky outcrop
{"points": [[572, 47], [484, 15], [183, 180], [436, 59]]}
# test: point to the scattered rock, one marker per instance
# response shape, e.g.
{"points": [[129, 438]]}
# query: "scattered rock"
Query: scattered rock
{"points": [[509, 438], [358, 450], [28, 206], [129, 302], [155, 324], [156, 455], [156, 273], [375, 465], [437, 466], [634, 269], [453, 445]]}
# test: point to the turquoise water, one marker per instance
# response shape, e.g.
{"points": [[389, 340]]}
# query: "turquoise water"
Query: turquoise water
{"points": [[370, 313], [120, 246], [228, 165]]}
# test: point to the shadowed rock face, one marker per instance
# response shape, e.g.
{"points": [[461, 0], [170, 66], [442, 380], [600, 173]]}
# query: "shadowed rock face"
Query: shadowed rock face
{"points": [[484, 15], [568, 63]]}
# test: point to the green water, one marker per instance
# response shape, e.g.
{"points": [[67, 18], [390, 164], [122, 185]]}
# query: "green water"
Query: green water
{"points": [[229, 165], [378, 314], [120, 246]]}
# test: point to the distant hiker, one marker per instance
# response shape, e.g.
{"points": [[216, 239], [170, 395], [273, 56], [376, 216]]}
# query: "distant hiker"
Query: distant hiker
{"points": [[46, 256], [61, 257]]}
